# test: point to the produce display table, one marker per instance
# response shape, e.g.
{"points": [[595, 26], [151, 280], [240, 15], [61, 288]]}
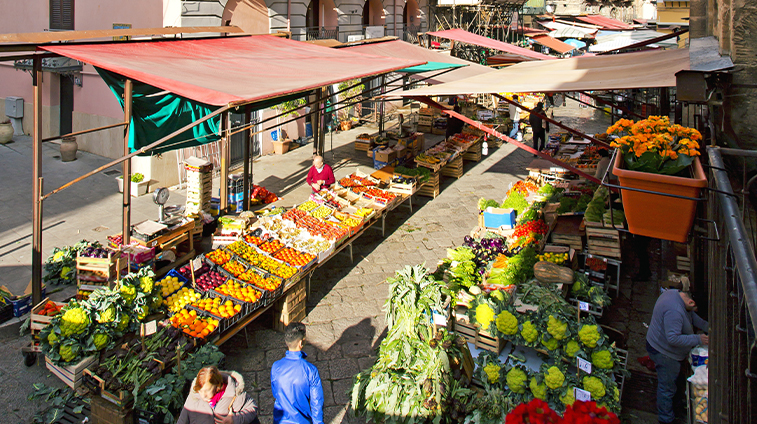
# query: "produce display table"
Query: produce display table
{"points": [[172, 239]]}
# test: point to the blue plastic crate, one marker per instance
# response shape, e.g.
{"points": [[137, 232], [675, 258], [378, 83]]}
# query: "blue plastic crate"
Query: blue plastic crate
{"points": [[23, 305], [379, 165]]}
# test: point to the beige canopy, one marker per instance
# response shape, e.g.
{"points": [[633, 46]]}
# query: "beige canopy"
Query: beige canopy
{"points": [[646, 69]]}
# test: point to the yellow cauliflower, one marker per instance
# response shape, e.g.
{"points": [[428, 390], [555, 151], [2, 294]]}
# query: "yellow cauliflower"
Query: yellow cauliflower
{"points": [[516, 380], [556, 328], [529, 332], [589, 335], [484, 315], [554, 378], [602, 359], [507, 323], [550, 343], [567, 398], [538, 390], [492, 373], [594, 386], [571, 348]]}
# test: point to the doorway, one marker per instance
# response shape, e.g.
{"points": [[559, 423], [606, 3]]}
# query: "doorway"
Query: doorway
{"points": [[66, 123]]}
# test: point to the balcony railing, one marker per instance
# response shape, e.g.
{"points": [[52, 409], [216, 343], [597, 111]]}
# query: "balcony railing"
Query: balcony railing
{"points": [[321, 33]]}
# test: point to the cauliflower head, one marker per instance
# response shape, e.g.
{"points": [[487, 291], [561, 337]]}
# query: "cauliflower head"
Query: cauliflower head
{"points": [[484, 315], [74, 321], [556, 328], [616, 394], [492, 373], [108, 315], [128, 292], [538, 390], [554, 378], [146, 284], [67, 353], [550, 343], [101, 340], [589, 335], [602, 359], [529, 332], [567, 398], [594, 386], [507, 323], [571, 348], [516, 380]]}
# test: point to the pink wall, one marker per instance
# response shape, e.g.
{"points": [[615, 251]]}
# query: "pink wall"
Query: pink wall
{"points": [[102, 14], [24, 16]]}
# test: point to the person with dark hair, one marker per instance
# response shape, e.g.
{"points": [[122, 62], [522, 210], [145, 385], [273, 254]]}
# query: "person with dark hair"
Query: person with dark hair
{"points": [[537, 126], [515, 117], [603, 164], [218, 397], [670, 337], [296, 383], [454, 125]]}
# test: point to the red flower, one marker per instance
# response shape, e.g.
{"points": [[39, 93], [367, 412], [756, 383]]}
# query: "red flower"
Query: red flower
{"points": [[535, 412], [588, 413]]}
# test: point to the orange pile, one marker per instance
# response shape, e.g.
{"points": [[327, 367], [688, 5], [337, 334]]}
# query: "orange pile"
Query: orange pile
{"points": [[218, 307], [239, 291], [190, 323]]}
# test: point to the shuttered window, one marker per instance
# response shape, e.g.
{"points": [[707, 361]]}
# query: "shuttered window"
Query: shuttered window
{"points": [[62, 14]]}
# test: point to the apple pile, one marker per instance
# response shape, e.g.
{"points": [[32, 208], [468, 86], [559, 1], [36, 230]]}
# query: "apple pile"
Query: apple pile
{"points": [[210, 280]]}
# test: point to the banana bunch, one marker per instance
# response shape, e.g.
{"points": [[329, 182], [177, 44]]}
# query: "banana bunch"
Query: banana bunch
{"points": [[427, 158]]}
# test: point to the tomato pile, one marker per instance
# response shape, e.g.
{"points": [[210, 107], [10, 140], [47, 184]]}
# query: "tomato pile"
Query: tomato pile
{"points": [[380, 194], [294, 257], [239, 291], [596, 264], [190, 323], [320, 228], [257, 241], [50, 309], [219, 257], [294, 214], [217, 307], [271, 246], [524, 187], [538, 227], [234, 268]]}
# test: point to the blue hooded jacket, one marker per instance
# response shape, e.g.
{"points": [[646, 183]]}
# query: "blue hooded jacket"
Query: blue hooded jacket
{"points": [[296, 387]]}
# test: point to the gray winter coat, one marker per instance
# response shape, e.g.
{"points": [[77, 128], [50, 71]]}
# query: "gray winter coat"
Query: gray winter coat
{"points": [[234, 401]]}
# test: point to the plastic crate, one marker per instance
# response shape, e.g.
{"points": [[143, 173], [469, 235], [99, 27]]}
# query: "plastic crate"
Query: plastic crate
{"points": [[23, 305], [247, 307], [175, 273], [6, 312]]}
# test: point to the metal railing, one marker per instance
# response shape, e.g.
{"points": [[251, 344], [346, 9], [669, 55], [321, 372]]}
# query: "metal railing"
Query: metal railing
{"points": [[321, 33], [732, 279], [410, 33]]}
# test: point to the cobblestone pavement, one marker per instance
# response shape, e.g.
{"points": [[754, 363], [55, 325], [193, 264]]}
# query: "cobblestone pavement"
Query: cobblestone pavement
{"points": [[344, 314]]}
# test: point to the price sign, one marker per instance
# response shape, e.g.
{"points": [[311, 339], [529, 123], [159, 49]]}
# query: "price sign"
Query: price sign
{"points": [[197, 262], [582, 395], [584, 365], [583, 306], [148, 328]]}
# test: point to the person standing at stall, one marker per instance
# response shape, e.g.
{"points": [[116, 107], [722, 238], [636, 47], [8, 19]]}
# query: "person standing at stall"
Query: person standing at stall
{"points": [[537, 126], [670, 338], [296, 383], [320, 175], [515, 117]]}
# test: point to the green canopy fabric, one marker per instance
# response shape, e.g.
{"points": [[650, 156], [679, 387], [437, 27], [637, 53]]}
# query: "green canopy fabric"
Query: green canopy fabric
{"points": [[430, 66], [157, 113]]}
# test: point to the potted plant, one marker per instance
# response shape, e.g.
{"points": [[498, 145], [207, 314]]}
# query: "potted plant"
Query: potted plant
{"points": [[6, 132], [139, 186], [345, 122], [662, 158], [281, 141]]}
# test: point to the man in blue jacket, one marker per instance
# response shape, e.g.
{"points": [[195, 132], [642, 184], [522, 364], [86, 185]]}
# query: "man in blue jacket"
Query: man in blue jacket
{"points": [[295, 383], [669, 339]]}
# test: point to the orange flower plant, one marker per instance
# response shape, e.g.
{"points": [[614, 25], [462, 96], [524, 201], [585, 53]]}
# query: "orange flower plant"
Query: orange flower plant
{"points": [[653, 145]]}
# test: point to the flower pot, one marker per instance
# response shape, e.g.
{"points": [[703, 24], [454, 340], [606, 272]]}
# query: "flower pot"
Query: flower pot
{"points": [[140, 188], [6, 133], [120, 182], [281, 147], [68, 149], [654, 215]]}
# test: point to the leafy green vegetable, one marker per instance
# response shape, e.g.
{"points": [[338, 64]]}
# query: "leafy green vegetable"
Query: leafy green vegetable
{"points": [[483, 204], [583, 201], [567, 204], [423, 174], [516, 201]]}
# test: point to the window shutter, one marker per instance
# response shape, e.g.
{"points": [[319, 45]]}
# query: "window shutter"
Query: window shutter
{"points": [[62, 14]]}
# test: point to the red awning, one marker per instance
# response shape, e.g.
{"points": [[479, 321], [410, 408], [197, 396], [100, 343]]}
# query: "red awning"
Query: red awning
{"points": [[470, 38], [553, 43], [235, 70], [604, 22], [402, 50]]}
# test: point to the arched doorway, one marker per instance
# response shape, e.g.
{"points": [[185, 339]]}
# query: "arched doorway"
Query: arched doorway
{"points": [[373, 13], [322, 20], [250, 15], [411, 18]]}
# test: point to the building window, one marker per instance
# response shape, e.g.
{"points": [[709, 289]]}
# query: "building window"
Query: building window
{"points": [[62, 14]]}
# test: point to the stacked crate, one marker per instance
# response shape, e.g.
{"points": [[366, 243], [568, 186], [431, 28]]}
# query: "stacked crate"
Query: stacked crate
{"points": [[291, 308], [425, 120], [94, 273], [236, 192], [199, 185]]}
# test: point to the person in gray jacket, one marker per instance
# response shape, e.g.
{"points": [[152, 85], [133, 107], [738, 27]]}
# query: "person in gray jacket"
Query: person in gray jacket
{"points": [[218, 397], [670, 338]]}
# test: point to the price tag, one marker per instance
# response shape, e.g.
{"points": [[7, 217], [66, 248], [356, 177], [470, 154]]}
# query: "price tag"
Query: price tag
{"points": [[197, 262], [584, 365], [583, 306], [148, 328], [582, 395], [440, 320]]}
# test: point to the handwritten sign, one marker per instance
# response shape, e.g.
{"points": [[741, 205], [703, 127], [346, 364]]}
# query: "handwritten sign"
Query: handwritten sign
{"points": [[583, 306], [148, 328], [584, 365], [582, 395]]}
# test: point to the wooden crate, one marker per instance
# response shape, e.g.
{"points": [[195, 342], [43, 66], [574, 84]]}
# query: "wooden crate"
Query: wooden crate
{"points": [[430, 188], [424, 128], [490, 342], [474, 153], [105, 412], [71, 375], [93, 273], [425, 120], [291, 308], [602, 241], [481, 339], [453, 169], [37, 321]]}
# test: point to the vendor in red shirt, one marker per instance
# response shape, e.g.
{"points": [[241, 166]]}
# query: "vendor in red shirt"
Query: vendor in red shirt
{"points": [[320, 175]]}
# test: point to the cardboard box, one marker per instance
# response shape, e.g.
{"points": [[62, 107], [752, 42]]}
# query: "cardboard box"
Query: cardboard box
{"points": [[496, 218], [380, 156]]}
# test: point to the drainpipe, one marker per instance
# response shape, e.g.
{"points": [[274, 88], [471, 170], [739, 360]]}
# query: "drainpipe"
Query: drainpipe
{"points": [[394, 13], [289, 22]]}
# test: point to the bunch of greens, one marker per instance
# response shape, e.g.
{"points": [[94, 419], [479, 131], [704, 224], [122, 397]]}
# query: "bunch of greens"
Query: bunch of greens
{"points": [[567, 204], [484, 204], [410, 381], [531, 214], [583, 201], [421, 173], [461, 267], [60, 266], [520, 267], [582, 289], [57, 400], [516, 201]]}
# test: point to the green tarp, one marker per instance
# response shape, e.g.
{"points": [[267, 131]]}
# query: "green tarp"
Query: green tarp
{"points": [[430, 66]]}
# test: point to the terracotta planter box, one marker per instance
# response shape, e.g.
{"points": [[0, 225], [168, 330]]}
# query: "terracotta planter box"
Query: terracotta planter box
{"points": [[653, 215]]}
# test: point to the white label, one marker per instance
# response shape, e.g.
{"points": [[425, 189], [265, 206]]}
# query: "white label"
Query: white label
{"points": [[440, 320], [582, 395], [584, 365], [197, 262], [583, 306], [149, 328]]}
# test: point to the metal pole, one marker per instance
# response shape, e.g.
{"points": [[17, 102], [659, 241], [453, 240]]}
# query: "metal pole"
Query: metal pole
{"points": [[126, 210], [37, 184], [246, 154], [319, 122], [224, 153], [120, 124]]}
